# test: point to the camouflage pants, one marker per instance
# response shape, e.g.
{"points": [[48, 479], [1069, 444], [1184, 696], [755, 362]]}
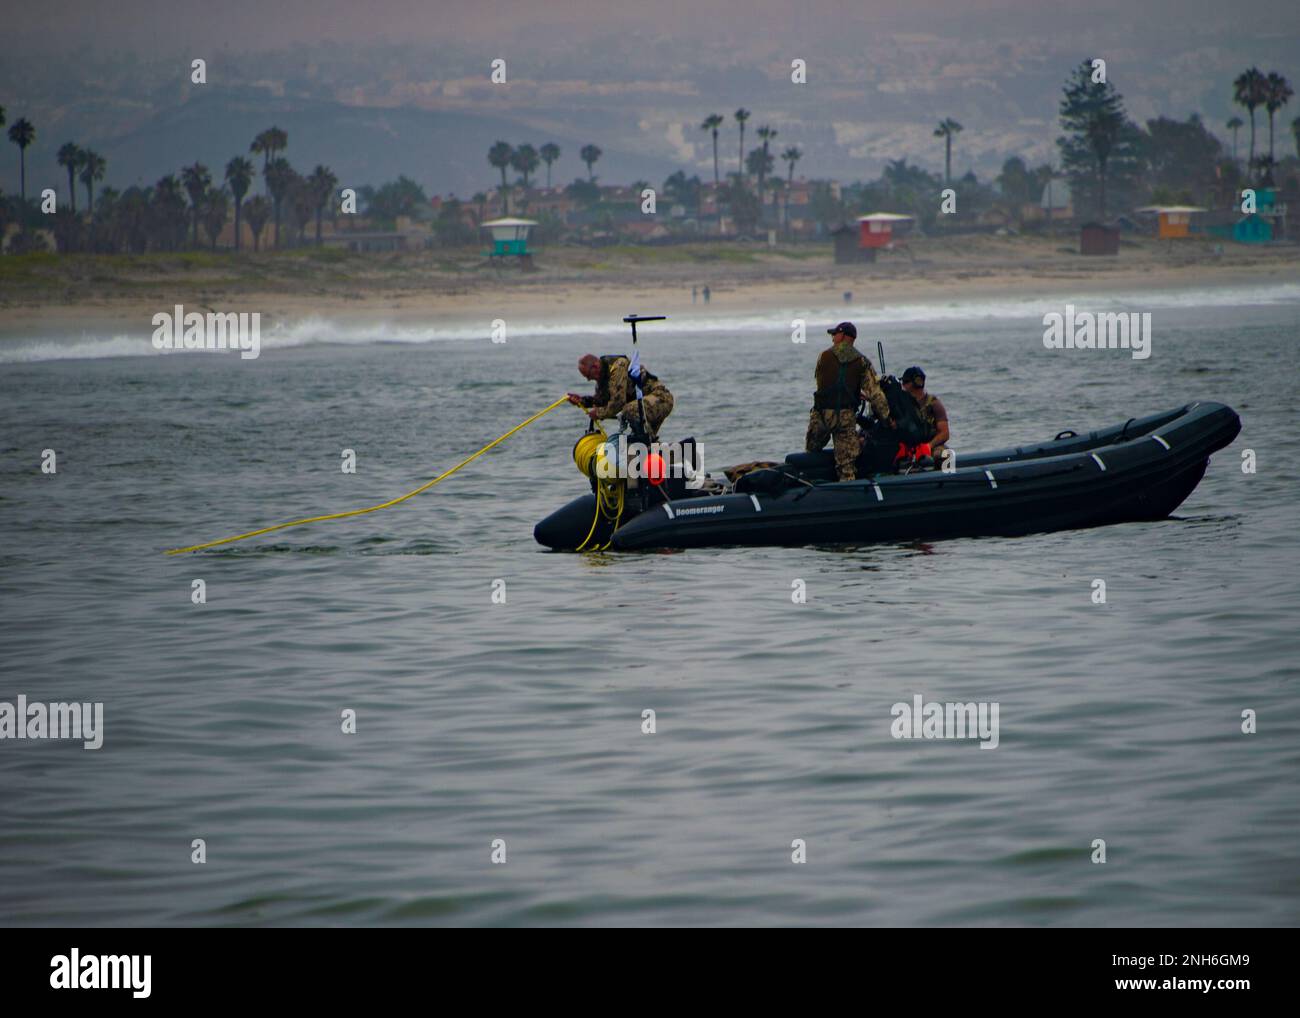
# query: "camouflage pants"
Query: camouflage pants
{"points": [[843, 425], [658, 403]]}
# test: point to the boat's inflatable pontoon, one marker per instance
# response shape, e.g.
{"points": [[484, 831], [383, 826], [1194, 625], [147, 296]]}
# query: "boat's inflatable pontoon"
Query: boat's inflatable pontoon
{"points": [[1142, 469]]}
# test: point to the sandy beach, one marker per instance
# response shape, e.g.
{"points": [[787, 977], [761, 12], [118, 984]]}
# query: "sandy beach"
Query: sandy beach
{"points": [[121, 294]]}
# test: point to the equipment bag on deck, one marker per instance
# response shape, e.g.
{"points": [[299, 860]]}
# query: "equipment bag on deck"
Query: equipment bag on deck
{"points": [[911, 427]]}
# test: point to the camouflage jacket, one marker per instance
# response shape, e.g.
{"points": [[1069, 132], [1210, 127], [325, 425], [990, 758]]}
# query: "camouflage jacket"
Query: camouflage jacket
{"points": [[615, 388]]}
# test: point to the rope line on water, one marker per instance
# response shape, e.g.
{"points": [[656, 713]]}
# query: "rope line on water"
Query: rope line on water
{"points": [[374, 508]]}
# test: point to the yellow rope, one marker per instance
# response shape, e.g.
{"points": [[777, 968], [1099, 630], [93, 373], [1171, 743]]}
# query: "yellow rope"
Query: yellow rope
{"points": [[585, 450], [382, 505], [610, 492]]}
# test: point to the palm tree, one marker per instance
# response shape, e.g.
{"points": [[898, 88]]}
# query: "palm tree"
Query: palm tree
{"points": [[1277, 91], [216, 208], [196, 179], [279, 141], [1295, 133], [589, 155], [169, 217], [261, 147], [790, 156], [93, 166], [525, 161], [22, 134], [279, 181], [302, 204], [742, 115], [108, 222], [258, 211], [711, 123], [239, 175], [1248, 91], [757, 164], [946, 130], [767, 134], [550, 152], [1234, 125], [268, 143], [70, 160], [321, 184], [499, 155]]}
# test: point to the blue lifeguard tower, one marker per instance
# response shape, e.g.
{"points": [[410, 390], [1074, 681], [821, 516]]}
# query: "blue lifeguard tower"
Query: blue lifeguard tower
{"points": [[510, 240]]}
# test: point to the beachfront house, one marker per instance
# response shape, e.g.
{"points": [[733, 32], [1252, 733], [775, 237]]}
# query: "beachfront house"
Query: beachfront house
{"points": [[1056, 203], [407, 235]]}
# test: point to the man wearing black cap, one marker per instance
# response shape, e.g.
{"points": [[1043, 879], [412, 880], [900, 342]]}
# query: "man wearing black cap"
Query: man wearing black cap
{"points": [[932, 412], [844, 377]]}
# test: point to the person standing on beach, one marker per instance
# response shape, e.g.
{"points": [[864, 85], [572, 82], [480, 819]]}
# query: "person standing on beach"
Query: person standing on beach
{"points": [[843, 376], [616, 393]]}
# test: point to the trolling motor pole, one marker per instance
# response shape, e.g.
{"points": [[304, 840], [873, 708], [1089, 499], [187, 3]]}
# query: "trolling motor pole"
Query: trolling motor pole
{"points": [[642, 426], [862, 406], [633, 319], [640, 405]]}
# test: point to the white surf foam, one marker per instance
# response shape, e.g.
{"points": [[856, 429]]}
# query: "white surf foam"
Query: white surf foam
{"points": [[319, 330]]}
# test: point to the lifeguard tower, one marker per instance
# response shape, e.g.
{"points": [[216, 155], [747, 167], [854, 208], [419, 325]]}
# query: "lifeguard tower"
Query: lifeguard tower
{"points": [[882, 231], [510, 240], [1173, 221]]}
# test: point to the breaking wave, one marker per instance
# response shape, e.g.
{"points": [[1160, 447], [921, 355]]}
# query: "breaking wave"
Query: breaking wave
{"points": [[319, 330]]}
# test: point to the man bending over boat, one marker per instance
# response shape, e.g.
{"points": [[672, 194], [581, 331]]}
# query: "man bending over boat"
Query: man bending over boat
{"points": [[933, 414], [616, 392], [844, 377]]}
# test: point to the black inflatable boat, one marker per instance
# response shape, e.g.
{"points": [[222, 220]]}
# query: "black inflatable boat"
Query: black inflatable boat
{"points": [[1139, 470]]}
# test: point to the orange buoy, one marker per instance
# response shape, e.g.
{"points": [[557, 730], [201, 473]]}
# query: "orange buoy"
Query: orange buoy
{"points": [[655, 471]]}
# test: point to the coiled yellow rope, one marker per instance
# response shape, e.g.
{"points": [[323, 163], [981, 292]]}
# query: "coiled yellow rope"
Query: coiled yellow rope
{"points": [[586, 448], [610, 492], [373, 508]]}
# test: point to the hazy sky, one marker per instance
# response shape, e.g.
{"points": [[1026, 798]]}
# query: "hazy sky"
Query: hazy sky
{"points": [[375, 88], [256, 24]]}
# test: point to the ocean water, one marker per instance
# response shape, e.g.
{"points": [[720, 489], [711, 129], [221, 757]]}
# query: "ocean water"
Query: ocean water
{"points": [[522, 721]]}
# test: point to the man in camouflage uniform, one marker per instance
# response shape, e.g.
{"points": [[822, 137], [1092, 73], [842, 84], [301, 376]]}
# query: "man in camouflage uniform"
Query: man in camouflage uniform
{"points": [[844, 377], [932, 411], [616, 393]]}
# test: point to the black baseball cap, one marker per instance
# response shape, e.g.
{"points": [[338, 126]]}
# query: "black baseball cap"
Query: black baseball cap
{"points": [[848, 328], [913, 372]]}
